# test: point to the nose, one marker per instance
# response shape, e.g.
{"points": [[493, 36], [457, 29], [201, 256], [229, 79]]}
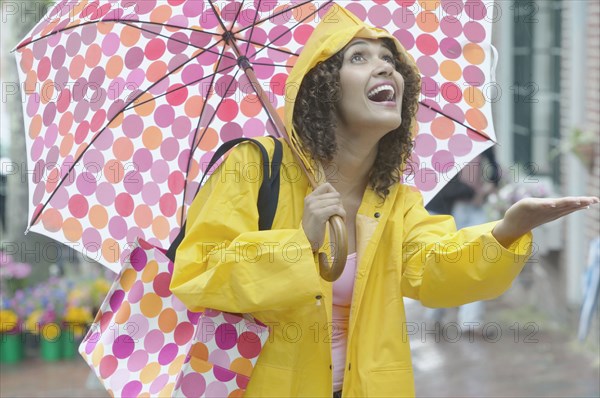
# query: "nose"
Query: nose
{"points": [[383, 68]]}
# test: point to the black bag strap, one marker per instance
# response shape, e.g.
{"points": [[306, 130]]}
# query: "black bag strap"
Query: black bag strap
{"points": [[268, 194]]}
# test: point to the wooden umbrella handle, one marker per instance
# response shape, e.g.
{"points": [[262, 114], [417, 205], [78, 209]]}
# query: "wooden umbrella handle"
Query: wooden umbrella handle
{"points": [[340, 236], [339, 251]]}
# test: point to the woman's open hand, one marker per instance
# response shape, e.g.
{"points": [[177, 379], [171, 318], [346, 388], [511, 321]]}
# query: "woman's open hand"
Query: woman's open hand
{"points": [[319, 206], [529, 213]]}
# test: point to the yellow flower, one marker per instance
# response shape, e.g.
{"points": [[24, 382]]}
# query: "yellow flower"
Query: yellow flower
{"points": [[32, 322], [8, 320], [78, 318], [101, 286]]}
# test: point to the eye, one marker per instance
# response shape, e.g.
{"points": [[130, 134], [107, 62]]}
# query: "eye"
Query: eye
{"points": [[390, 59], [357, 57]]}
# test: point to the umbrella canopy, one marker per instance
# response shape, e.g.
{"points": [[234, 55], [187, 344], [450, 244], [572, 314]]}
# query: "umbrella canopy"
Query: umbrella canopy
{"points": [[126, 101]]}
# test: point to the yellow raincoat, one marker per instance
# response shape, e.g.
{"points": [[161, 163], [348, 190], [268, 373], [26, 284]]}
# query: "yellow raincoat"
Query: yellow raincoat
{"points": [[225, 263]]}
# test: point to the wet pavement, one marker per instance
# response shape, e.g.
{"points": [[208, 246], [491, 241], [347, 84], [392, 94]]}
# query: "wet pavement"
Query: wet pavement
{"points": [[516, 354]]}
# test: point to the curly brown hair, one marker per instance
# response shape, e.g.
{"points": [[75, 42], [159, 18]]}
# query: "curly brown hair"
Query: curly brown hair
{"points": [[315, 122]]}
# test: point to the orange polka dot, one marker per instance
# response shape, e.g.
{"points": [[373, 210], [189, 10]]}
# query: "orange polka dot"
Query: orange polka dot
{"points": [[199, 358], [429, 5], [98, 216], [167, 321], [31, 82], [80, 150], [147, 395], [65, 124], [127, 279], [35, 126], [130, 36], [66, 145], [161, 227], [98, 354], [175, 366], [151, 305], [93, 55], [111, 250], [52, 220], [474, 53], [143, 216], [53, 179], [250, 105], [26, 62], [152, 137], [236, 394], [167, 390], [442, 128], [78, 8], [427, 21], [72, 229], [123, 148], [156, 71], [105, 27], [301, 12], [450, 70], [123, 313], [193, 106], [47, 92], [76, 67], [194, 170], [145, 104], [242, 366], [281, 112], [476, 119], [114, 66], [210, 139], [474, 97], [117, 121], [150, 271], [114, 171], [48, 28], [162, 14]]}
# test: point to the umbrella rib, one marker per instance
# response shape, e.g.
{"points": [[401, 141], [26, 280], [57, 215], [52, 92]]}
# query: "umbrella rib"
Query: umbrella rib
{"points": [[252, 29], [281, 50], [188, 44], [212, 5], [455, 120], [123, 21]]}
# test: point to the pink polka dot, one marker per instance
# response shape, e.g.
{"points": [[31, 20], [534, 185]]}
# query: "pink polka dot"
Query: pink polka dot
{"points": [[452, 7], [460, 144], [379, 15], [78, 206], [220, 358], [427, 66], [168, 353], [132, 389], [123, 346], [194, 385], [91, 240], [450, 48], [124, 204], [226, 336], [425, 179], [357, 9], [137, 327], [454, 112], [216, 389], [183, 333], [33, 104], [303, 32], [405, 38], [429, 87], [154, 341], [425, 115], [474, 76], [108, 365], [474, 32], [222, 374], [425, 145], [451, 92], [164, 115], [133, 125], [161, 284], [475, 9], [249, 345], [158, 384], [137, 361], [117, 226], [151, 193], [427, 44], [168, 204], [169, 149], [136, 293], [442, 161], [451, 26]]}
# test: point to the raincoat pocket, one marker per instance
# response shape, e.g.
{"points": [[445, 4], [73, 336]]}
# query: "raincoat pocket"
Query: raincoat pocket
{"points": [[272, 381], [391, 382]]}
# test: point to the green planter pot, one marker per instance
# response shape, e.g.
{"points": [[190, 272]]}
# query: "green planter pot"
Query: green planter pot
{"points": [[69, 344], [11, 348], [51, 346]]}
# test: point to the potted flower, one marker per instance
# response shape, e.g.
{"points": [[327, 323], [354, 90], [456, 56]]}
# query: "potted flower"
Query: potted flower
{"points": [[13, 276]]}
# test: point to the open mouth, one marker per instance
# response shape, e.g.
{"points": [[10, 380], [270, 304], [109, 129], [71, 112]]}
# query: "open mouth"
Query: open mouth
{"points": [[383, 93]]}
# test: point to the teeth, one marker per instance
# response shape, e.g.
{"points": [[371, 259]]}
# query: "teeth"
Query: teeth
{"points": [[385, 87]]}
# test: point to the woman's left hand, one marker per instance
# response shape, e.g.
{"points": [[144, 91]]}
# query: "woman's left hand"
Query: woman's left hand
{"points": [[529, 213]]}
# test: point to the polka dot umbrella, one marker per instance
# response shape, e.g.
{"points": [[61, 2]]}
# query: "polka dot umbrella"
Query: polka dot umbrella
{"points": [[126, 101]]}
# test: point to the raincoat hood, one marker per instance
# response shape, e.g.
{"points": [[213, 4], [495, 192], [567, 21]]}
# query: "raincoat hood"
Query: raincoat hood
{"points": [[338, 27]]}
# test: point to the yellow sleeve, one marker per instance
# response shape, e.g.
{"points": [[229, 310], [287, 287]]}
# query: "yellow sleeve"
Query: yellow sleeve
{"points": [[443, 267], [225, 263]]}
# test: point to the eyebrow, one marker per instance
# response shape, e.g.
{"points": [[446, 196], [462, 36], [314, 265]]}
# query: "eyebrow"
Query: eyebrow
{"points": [[364, 42]]}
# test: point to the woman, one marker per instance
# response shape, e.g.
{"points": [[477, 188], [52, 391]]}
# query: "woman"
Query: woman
{"points": [[349, 335]]}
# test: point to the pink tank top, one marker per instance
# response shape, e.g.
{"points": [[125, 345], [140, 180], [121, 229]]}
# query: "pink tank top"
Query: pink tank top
{"points": [[342, 299]]}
